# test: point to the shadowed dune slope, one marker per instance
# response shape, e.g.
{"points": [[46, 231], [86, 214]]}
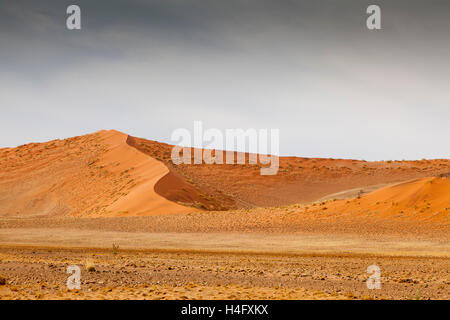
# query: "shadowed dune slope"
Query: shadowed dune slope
{"points": [[299, 180]]}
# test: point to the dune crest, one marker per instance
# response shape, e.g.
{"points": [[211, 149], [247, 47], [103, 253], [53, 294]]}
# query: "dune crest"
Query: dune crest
{"points": [[142, 198]]}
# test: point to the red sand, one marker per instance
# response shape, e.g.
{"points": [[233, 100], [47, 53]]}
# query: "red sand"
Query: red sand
{"points": [[111, 174]]}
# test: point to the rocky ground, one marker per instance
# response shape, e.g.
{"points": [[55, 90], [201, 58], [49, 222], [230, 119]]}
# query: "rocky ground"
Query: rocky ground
{"points": [[41, 273]]}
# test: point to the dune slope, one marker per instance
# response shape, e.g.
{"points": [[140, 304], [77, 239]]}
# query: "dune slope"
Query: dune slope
{"points": [[91, 175], [419, 200], [299, 180]]}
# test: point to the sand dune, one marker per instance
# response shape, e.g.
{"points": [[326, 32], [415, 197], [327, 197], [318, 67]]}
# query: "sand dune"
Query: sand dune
{"points": [[109, 173], [419, 200], [299, 180], [92, 175], [142, 198]]}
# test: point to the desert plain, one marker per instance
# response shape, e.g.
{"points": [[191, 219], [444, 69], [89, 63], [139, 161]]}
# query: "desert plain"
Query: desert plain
{"points": [[140, 227]]}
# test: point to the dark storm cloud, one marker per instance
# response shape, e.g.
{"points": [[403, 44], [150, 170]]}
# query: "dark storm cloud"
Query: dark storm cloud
{"points": [[35, 30], [310, 68]]}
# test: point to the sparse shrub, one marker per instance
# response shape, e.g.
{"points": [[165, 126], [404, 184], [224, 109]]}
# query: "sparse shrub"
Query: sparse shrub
{"points": [[2, 281], [115, 249], [360, 193], [418, 296], [90, 266]]}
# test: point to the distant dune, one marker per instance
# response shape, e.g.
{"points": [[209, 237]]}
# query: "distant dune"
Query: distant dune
{"points": [[421, 200], [109, 173]]}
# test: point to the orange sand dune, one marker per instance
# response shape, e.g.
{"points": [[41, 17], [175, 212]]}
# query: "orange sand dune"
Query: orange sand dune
{"points": [[142, 198], [426, 199], [92, 175], [109, 173], [299, 180]]}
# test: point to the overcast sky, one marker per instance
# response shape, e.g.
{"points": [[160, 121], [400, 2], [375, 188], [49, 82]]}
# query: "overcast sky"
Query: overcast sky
{"points": [[310, 68]]}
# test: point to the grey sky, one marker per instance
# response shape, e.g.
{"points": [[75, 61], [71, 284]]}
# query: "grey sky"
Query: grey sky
{"points": [[310, 68]]}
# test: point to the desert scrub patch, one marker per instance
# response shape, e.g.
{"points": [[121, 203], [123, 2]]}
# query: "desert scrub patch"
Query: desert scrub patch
{"points": [[115, 249], [90, 266]]}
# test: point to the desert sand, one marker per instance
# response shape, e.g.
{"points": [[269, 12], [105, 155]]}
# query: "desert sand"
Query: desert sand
{"points": [[97, 174], [217, 231]]}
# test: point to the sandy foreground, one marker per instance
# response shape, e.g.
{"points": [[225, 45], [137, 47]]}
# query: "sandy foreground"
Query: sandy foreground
{"points": [[35, 254], [40, 273]]}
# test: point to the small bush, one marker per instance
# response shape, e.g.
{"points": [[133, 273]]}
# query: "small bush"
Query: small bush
{"points": [[90, 266], [115, 249]]}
